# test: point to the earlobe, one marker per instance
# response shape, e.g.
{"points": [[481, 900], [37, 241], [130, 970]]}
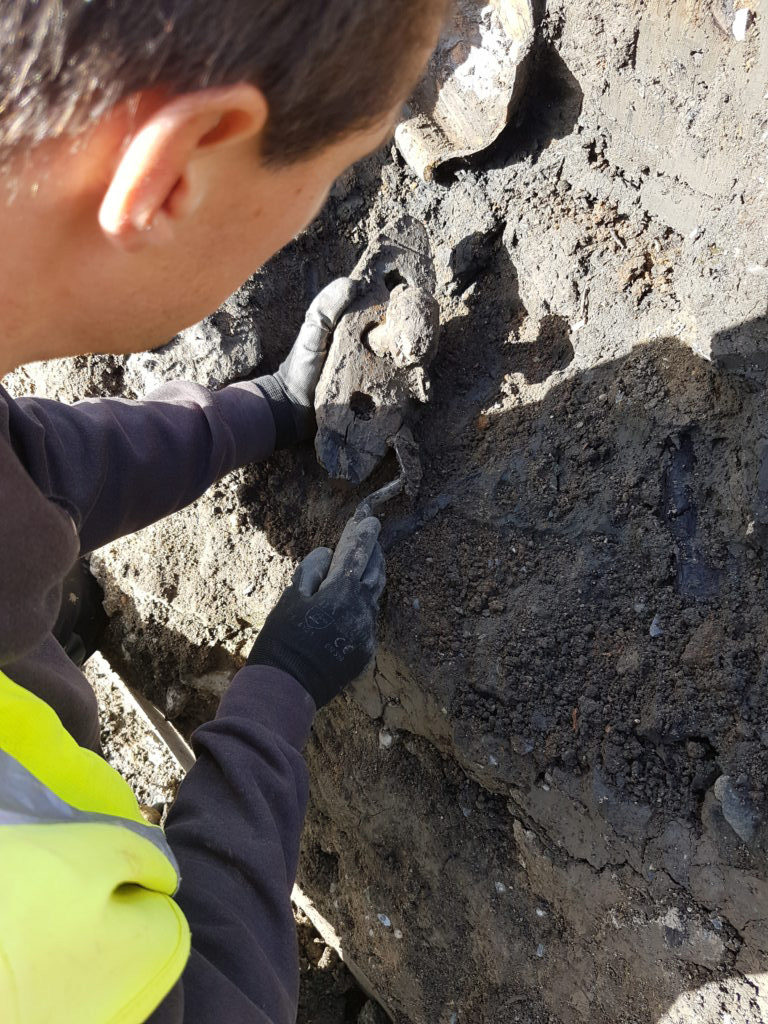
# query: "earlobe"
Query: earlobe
{"points": [[151, 187]]}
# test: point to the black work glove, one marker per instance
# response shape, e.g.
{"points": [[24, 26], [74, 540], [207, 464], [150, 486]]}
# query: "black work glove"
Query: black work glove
{"points": [[323, 629], [291, 391]]}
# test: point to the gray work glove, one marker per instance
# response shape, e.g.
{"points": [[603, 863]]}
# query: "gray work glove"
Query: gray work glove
{"points": [[323, 629], [291, 391]]}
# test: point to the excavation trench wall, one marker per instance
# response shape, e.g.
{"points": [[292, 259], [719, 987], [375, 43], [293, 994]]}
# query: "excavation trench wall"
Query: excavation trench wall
{"points": [[547, 800]]}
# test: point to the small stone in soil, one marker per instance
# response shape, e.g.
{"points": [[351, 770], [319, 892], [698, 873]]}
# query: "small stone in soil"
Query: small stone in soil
{"points": [[741, 20]]}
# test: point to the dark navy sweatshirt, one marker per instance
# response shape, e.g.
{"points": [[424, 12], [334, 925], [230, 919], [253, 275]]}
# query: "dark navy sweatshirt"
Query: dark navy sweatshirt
{"points": [[73, 478]]}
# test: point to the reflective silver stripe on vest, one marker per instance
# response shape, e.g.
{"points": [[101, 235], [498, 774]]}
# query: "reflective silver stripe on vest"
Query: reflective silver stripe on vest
{"points": [[24, 800]]}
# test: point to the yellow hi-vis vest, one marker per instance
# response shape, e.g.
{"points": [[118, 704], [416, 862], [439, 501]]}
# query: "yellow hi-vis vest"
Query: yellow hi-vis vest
{"points": [[89, 931]]}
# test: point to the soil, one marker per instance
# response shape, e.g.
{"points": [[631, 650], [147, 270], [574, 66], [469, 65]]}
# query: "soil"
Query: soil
{"points": [[560, 757], [329, 994]]}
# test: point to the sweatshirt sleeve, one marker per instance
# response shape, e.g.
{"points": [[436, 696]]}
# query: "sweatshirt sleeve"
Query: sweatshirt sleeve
{"points": [[117, 465], [235, 829]]}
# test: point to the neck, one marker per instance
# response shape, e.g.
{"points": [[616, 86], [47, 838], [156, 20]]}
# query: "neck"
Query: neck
{"points": [[59, 276], [25, 258], [39, 226]]}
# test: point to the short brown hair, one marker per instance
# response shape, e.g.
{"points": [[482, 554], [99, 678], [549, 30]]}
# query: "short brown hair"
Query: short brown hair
{"points": [[326, 67]]}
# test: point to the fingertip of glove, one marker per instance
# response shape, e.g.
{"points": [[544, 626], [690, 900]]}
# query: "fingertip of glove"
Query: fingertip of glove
{"points": [[349, 285], [334, 299], [367, 526], [372, 523]]}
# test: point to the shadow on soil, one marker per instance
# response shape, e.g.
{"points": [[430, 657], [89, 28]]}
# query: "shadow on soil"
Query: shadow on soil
{"points": [[591, 605], [550, 110], [743, 348]]}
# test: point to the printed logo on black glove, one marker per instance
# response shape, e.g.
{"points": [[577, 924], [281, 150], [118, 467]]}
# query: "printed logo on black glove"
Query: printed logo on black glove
{"points": [[323, 629]]}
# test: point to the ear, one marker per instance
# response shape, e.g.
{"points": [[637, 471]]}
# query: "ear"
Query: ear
{"points": [[151, 185]]}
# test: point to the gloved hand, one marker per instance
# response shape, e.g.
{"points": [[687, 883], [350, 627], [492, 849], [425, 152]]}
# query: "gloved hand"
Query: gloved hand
{"points": [[323, 629], [291, 391]]}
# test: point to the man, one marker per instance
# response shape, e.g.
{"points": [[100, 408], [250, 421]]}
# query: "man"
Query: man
{"points": [[154, 154]]}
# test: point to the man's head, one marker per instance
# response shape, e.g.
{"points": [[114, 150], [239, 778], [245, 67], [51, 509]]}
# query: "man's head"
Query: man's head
{"points": [[156, 152]]}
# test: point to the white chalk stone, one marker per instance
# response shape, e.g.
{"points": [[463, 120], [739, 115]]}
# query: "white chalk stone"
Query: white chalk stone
{"points": [[741, 20]]}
